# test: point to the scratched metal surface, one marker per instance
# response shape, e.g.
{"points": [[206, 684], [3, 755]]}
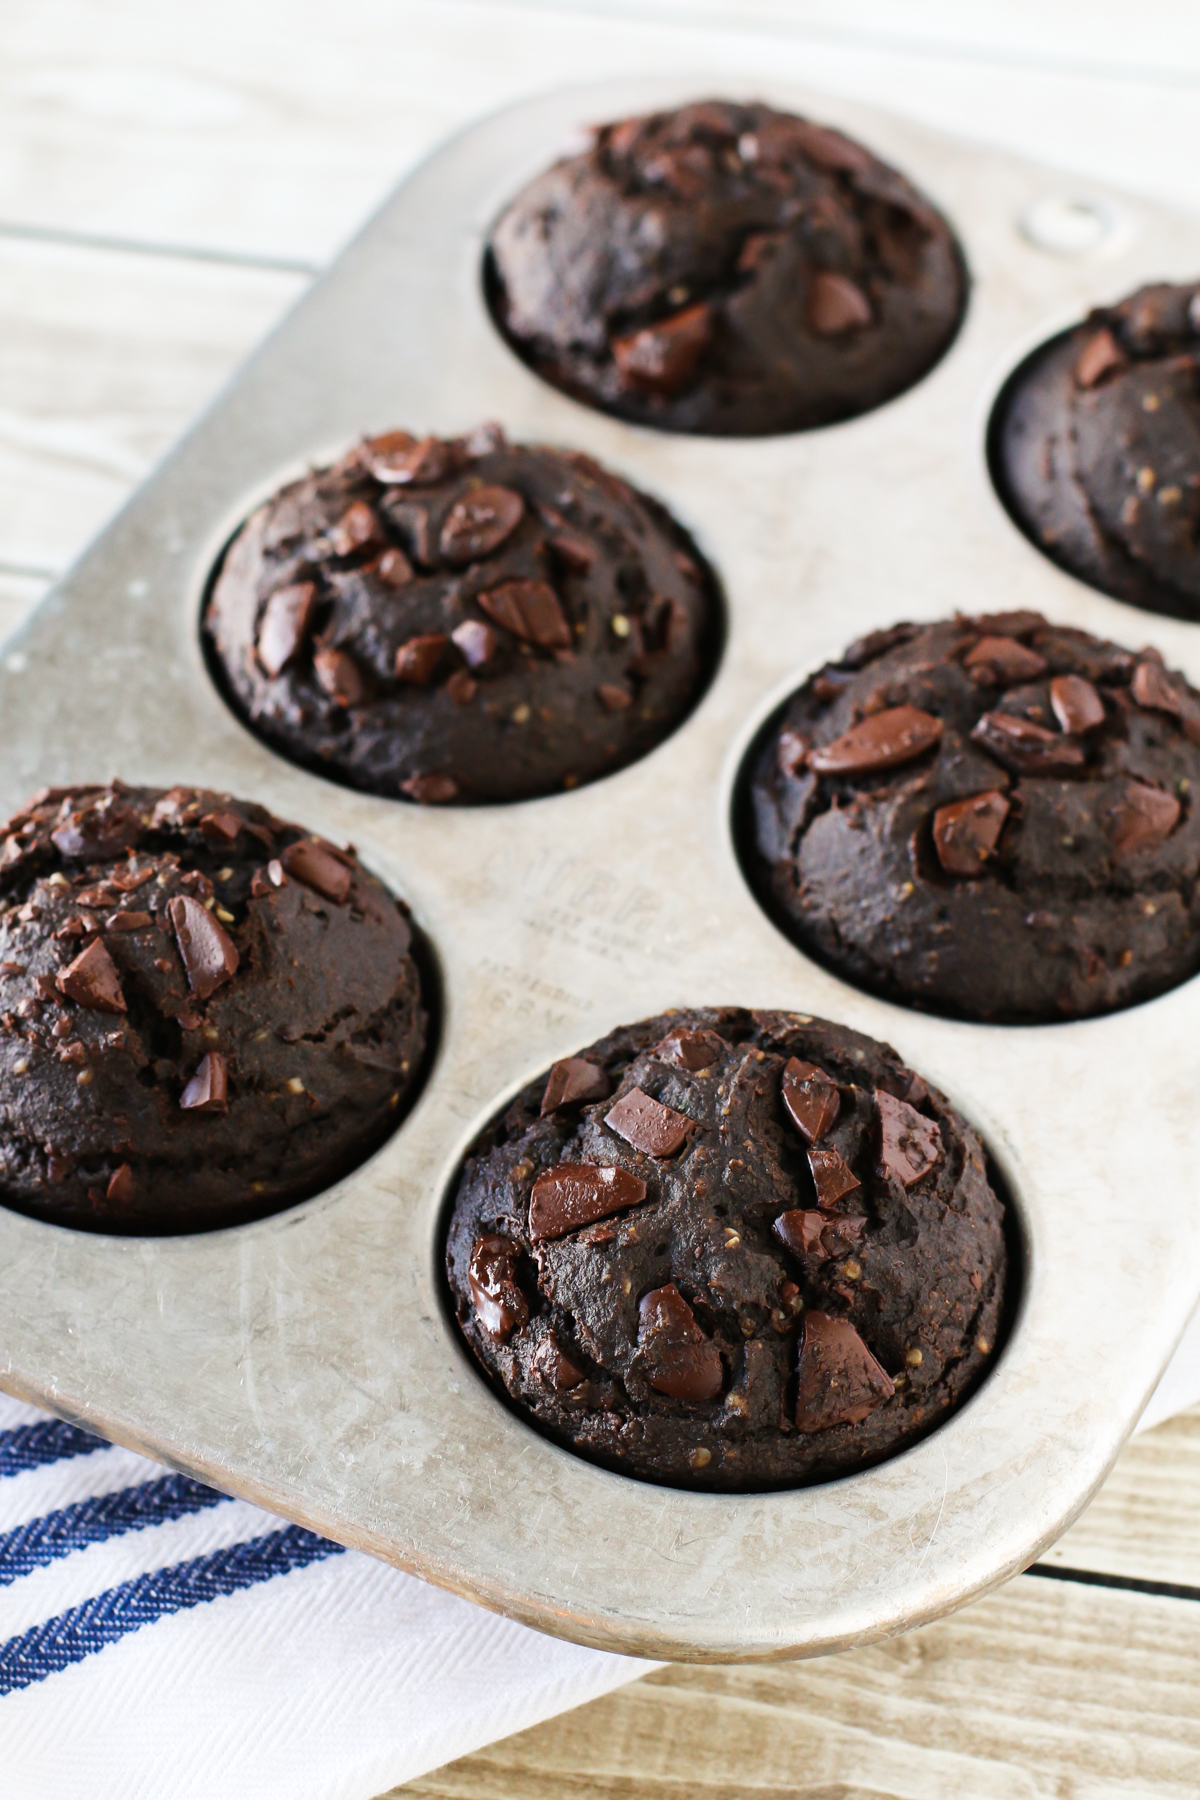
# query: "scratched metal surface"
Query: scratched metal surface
{"points": [[304, 1361]]}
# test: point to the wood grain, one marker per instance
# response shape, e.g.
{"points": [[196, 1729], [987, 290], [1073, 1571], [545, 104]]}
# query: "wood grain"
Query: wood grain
{"points": [[1145, 1521], [273, 129], [1045, 1690], [103, 361], [1166, 45]]}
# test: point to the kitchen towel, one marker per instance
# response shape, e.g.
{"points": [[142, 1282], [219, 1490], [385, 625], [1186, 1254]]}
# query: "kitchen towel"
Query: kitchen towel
{"points": [[158, 1638]]}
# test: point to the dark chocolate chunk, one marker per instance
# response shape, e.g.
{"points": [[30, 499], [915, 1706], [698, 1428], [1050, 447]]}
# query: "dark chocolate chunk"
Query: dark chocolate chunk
{"points": [[575, 1194], [357, 529], [613, 698], [966, 832], [1151, 689], [318, 868], [576, 553], [393, 569], [340, 676], [810, 1098], [555, 1367], [121, 1186], [1005, 660], [208, 1090], [664, 358], [530, 610], [910, 1144], [284, 627], [99, 829], [417, 658], [480, 522], [881, 741], [500, 1306], [1026, 748], [1077, 705], [573, 1082], [836, 305], [839, 1382], [832, 1176], [220, 827], [128, 921], [679, 1359], [647, 1124], [1100, 356], [398, 459], [695, 1050], [92, 980], [1143, 818], [815, 1234], [209, 954]]}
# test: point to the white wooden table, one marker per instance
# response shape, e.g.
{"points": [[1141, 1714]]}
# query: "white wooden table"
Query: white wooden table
{"points": [[171, 175]]}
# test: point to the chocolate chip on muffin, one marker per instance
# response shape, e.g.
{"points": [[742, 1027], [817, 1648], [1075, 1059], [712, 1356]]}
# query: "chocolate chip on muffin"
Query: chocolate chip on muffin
{"points": [[1096, 449], [462, 620], [750, 1250], [206, 1013], [989, 817], [727, 269]]}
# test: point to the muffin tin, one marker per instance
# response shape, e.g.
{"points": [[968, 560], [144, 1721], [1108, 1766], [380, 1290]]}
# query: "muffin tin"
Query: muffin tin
{"points": [[306, 1361]]}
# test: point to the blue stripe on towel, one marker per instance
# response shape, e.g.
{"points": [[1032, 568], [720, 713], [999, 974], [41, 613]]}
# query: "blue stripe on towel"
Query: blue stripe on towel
{"points": [[51, 1440], [102, 1516], [46, 1649]]}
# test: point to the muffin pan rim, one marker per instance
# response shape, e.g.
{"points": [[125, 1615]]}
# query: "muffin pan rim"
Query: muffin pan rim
{"points": [[316, 1418]]}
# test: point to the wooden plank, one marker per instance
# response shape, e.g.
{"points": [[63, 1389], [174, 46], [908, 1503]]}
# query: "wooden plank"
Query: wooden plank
{"points": [[1082, 37], [1145, 1521], [103, 361], [1045, 1690], [272, 129]]}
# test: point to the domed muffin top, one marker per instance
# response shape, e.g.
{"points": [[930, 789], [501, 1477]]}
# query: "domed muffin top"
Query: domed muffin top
{"points": [[726, 268], [205, 1011], [730, 1250]]}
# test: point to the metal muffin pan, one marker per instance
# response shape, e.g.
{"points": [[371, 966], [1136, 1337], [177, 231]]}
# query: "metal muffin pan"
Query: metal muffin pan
{"points": [[305, 1361]]}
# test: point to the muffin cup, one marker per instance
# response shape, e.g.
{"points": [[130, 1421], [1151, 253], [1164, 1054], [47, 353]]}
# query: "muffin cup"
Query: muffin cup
{"points": [[305, 1361]]}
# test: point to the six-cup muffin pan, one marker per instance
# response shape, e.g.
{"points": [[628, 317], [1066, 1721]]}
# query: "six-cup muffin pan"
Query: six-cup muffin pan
{"points": [[307, 1361]]}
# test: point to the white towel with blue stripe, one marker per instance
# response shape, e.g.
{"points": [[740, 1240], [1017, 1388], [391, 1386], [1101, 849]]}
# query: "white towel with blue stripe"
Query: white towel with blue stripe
{"points": [[159, 1639]]}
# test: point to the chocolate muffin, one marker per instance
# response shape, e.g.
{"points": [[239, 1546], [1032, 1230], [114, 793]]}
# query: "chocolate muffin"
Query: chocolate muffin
{"points": [[205, 1013], [726, 269], [462, 620], [1095, 449], [989, 817], [730, 1250]]}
